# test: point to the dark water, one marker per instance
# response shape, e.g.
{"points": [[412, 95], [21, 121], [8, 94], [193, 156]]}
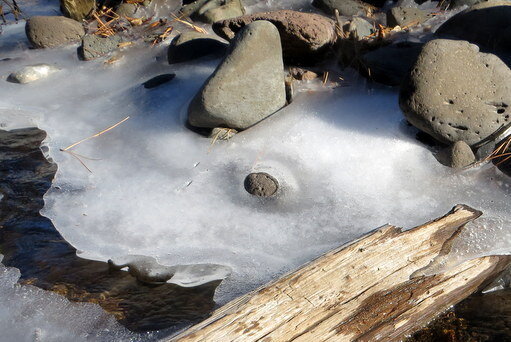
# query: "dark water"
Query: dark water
{"points": [[31, 243]]}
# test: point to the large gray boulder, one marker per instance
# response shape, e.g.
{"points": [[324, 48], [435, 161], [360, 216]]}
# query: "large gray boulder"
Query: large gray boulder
{"points": [[487, 24], [247, 86], [456, 93], [53, 31], [77, 9], [306, 37]]}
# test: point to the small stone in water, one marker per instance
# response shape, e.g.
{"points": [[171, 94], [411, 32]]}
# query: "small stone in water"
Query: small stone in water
{"points": [[261, 184], [158, 80], [32, 73]]}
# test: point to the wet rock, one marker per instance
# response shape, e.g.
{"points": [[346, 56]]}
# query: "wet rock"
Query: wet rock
{"points": [[345, 7], [95, 46], [306, 37], [192, 45], [261, 184], [210, 11], [404, 16], [247, 86], [390, 64], [358, 28], [487, 25], [458, 155], [32, 73], [221, 133], [77, 9], [454, 92], [53, 31], [158, 80]]}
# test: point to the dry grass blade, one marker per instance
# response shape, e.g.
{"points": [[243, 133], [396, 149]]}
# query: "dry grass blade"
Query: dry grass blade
{"points": [[96, 135], [500, 152], [187, 23], [325, 78], [79, 156]]}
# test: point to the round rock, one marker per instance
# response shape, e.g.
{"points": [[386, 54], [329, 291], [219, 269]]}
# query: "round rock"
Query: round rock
{"points": [[456, 93], [458, 155], [49, 32], [261, 184]]}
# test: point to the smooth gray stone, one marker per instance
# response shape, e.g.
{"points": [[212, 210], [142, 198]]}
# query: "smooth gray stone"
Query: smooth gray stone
{"points": [[247, 86]]}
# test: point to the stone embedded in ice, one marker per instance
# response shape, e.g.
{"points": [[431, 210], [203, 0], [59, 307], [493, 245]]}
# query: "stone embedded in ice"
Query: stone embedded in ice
{"points": [[148, 270], [32, 73]]}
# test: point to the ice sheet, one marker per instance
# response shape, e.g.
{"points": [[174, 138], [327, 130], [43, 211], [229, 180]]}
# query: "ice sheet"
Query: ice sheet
{"points": [[346, 160]]}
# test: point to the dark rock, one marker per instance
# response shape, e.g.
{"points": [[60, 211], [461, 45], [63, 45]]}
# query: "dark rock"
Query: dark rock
{"points": [[49, 32], [77, 9], [306, 37], [192, 45], [247, 86], [454, 92], [458, 155], [487, 25], [403, 16], [390, 64], [210, 11], [345, 7], [131, 10], [261, 184], [94, 46], [158, 80]]}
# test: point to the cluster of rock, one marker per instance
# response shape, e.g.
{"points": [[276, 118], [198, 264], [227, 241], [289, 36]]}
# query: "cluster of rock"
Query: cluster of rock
{"points": [[454, 88]]}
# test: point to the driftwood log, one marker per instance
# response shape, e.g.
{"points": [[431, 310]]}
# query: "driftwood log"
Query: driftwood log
{"points": [[372, 289]]}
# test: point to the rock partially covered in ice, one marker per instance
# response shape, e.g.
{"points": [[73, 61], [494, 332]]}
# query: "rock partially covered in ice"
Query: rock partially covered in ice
{"points": [[403, 16], [458, 155], [77, 9], [210, 11], [32, 73], [345, 7], [53, 31], [390, 64], [158, 80], [95, 46], [261, 184], [487, 25], [247, 86], [306, 37], [456, 93], [148, 270], [192, 45]]}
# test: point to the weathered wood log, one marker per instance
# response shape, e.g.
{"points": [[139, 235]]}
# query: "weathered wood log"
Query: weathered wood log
{"points": [[371, 289]]}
